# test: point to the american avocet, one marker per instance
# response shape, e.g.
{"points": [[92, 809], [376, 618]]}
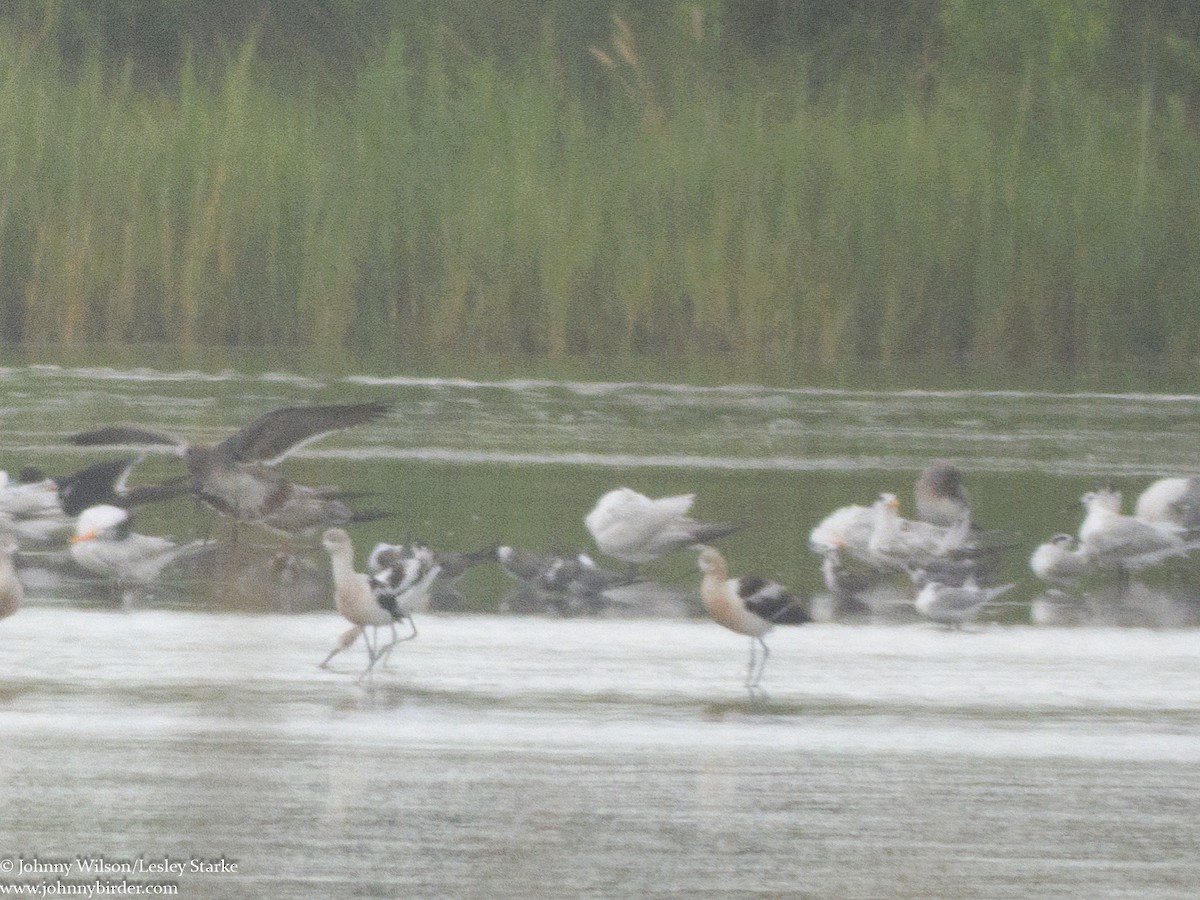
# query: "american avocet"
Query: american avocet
{"points": [[386, 560], [358, 603], [105, 544], [955, 606], [235, 477], [941, 496], [747, 605], [346, 641], [636, 529], [11, 592]]}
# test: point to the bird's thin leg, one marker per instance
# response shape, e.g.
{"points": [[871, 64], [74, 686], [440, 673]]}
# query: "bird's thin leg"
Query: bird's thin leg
{"points": [[762, 661], [386, 652], [371, 656], [750, 667]]}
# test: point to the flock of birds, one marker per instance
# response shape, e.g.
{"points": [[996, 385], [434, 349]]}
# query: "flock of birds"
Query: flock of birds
{"points": [[945, 558]]}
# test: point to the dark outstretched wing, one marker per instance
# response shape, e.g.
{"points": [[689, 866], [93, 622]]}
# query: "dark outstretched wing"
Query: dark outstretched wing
{"points": [[272, 436], [104, 482], [120, 434]]}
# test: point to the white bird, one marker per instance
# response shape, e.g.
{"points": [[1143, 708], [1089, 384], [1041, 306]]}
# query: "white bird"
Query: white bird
{"points": [[1173, 501], [902, 543], [11, 592], [955, 606], [635, 529], [355, 599], [1059, 561], [29, 510], [1111, 539], [28, 499], [105, 544], [941, 497], [845, 529], [748, 605]]}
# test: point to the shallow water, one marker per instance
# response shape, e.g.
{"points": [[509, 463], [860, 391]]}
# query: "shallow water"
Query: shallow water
{"points": [[519, 757], [530, 757], [464, 463]]}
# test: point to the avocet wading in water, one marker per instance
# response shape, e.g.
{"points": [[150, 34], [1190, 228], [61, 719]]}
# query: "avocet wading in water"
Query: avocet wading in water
{"points": [[748, 605], [358, 603], [636, 529]]}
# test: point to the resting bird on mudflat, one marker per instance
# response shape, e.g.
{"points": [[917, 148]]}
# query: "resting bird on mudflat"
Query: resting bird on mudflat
{"points": [[955, 606], [1060, 561], [1173, 501], [748, 605], [1110, 539], [566, 585], [236, 476], [105, 544], [635, 529], [941, 496], [903, 543]]}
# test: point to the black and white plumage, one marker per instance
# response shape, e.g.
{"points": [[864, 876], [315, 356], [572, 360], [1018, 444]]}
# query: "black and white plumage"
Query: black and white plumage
{"points": [[401, 577], [356, 598], [749, 605], [444, 592], [636, 529], [941, 496], [955, 606], [107, 483], [236, 476], [565, 585]]}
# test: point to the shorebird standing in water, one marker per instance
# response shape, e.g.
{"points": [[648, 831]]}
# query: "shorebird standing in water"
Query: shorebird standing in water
{"points": [[357, 601], [748, 605]]}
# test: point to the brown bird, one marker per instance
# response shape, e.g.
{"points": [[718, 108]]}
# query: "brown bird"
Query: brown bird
{"points": [[749, 605], [237, 478]]}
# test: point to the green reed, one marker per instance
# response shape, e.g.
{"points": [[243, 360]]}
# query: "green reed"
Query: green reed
{"points": [[442, 200]]}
